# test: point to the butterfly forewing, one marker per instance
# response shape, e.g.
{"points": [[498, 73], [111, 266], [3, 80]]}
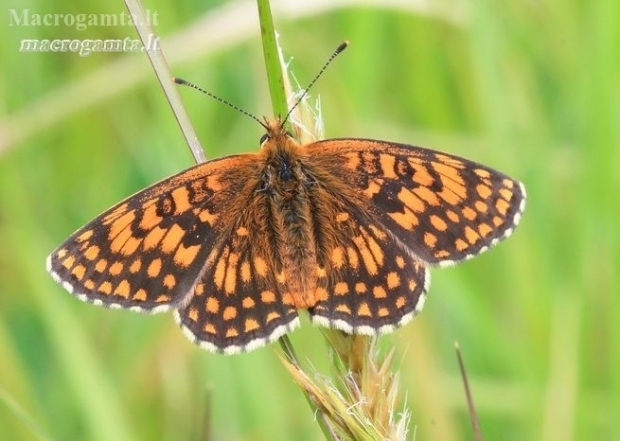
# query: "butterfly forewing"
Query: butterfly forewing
{"points": [[148, 252], [445, 209]]}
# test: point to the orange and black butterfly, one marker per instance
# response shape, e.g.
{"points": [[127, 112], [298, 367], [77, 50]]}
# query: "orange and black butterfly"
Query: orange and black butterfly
{"points": [[343, 228]]}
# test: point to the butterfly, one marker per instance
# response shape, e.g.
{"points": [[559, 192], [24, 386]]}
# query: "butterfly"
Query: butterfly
{"points": [[345, 229]]}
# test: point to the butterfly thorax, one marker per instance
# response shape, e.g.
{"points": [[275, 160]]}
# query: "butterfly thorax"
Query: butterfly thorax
{"points": [[288, 186]]}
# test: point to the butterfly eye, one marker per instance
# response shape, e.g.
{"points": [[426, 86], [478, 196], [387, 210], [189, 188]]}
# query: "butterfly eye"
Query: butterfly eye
{"points": [[264, 138]]}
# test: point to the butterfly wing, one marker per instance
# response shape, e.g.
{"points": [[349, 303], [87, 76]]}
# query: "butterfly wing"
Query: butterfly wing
{"points": [[241, 302], [444, 208], [401, 208], [148, 252]]}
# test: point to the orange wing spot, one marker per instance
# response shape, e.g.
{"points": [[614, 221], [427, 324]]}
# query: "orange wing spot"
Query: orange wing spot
{"points": [[162, 298], [207, 217], [288, 299], [452, 193], [430, 240], [272, 316], [61, 253], [118, 211], [320, 272], [230, 313], [376, 250], [401, 302], [421, 175], [452, 216], [105, 288], [149, 219], [130, 246], [242, 231], [154, 268], [392, 280], [406, 219], [251, 325], [89, 284], [193, 314], [78, 271], [483, 191], [84, 236], [281, 277], [341, 288], [353, 161], [343, 308], [140, 295], [120, 225], [220, 270], [210, 329], [460, 244], [232, 332], [92, 252], [379, 234], [387, 166], [471, 235], [508, 183], [506, 193], [68, 262], [481, 206], [383, 312], [230, 284], [212, 304], [428, 196], [412, 285], [120, 240], [172, 239], [170, 281], [135, 266], [199, 289], [353, 258], [342, 217], [484, 230], [400, 261], [267, 297], [469, 213], [152, 239], [360, 288], [367, 257], [180, 196], [374, 187], [411, 200], [246, 274], [260, 266], [441, 254], [320, 295], [337, 257], [379, 292], [185, 256], [248, 303], [116, 268], [364, 310], [482, 173], [497, 221], [502, 206], [101, 265], [438, 223], [450, 171], [123, 289]]}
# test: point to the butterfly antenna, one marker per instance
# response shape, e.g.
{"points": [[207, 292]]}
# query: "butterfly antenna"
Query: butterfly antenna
{"points": [[221, 100], [340, 48]]}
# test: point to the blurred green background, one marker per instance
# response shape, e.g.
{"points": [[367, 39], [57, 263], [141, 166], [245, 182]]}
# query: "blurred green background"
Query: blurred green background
{"points": [[530, 88]]}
